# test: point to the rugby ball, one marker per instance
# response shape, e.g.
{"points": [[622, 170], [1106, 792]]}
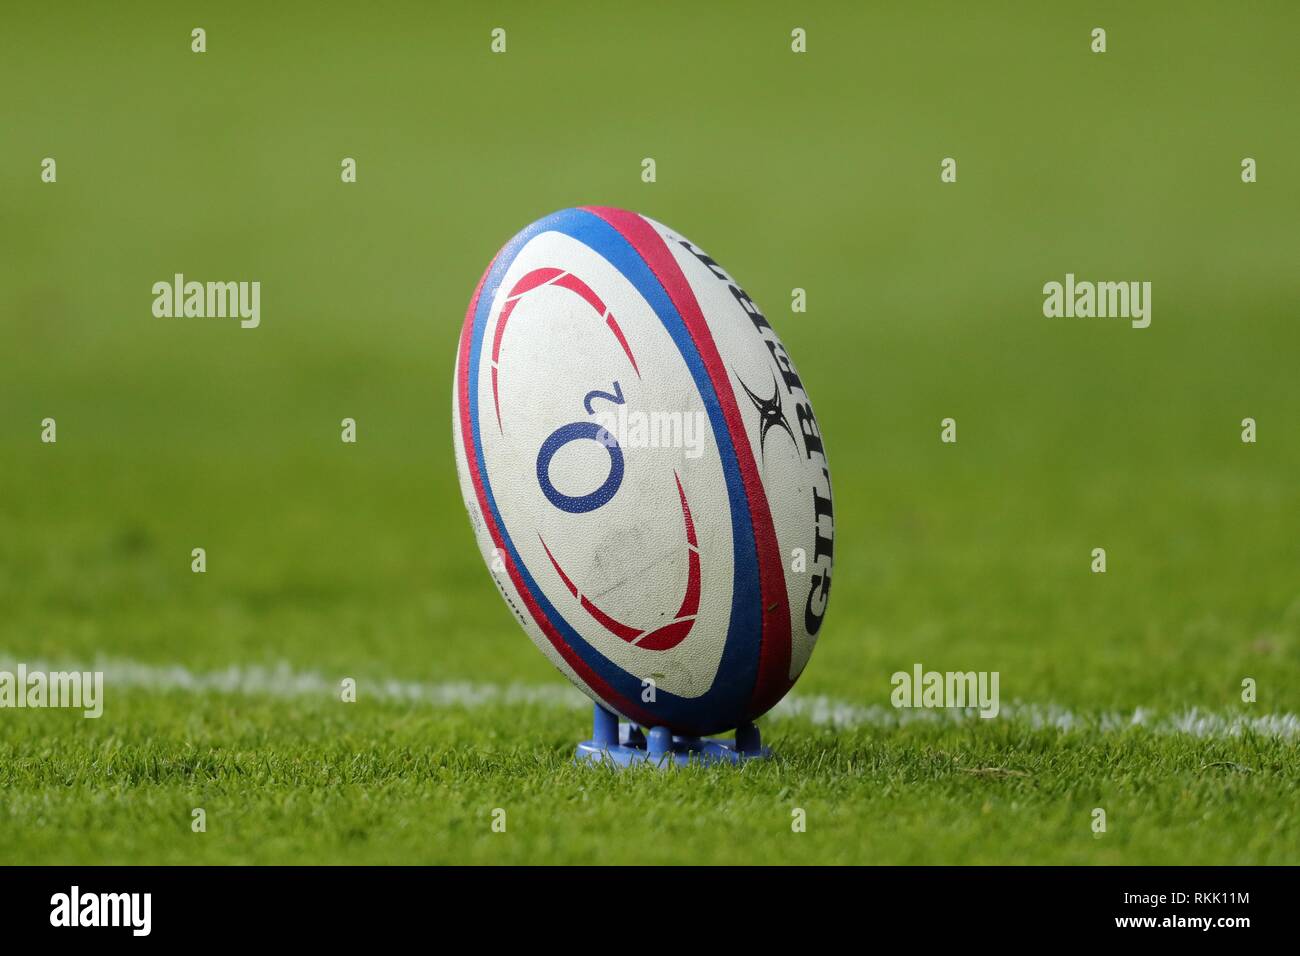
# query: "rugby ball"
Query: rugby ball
{"points": [[643, 471]]}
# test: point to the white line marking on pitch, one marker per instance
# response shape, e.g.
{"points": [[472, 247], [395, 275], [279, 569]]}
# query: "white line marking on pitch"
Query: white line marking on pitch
{"points": [[283, 681]]}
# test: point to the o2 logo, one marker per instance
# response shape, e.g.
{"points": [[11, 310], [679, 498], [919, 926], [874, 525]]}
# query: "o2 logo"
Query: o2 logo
{"points": [[583, 431], [660, 638]]}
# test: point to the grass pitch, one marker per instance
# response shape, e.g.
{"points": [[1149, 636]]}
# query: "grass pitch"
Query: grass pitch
{"points": [[818, 171]]}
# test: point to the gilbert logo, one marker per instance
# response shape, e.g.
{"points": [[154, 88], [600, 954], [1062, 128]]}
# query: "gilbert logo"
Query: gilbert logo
{"points": [[770, 416], [209, 300], [102, 909]]}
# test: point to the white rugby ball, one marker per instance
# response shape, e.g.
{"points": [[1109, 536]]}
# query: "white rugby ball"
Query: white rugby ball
{"points": [[643, 470]]}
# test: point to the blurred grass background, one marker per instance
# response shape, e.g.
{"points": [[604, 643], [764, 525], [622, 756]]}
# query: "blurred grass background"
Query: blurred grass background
{"points": [[818, 170]]}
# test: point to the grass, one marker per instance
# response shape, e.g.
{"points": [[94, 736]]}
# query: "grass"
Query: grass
{"points": [[924, 302], [322, 782]]}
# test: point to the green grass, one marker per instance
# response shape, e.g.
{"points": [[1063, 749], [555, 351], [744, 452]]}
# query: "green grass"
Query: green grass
{"points": [[328, 783], [924, 302]]}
